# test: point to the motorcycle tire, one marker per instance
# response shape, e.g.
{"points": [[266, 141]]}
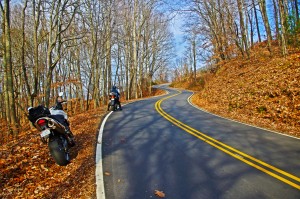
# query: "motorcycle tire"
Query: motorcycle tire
{"points": [[113, 107], [58, 151], [71, 141]]}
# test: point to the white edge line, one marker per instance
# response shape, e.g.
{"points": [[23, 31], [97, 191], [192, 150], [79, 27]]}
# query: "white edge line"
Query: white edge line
{"points": [[189, 101], [100, 192]]}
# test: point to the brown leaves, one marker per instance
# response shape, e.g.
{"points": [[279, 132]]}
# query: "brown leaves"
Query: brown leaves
{"points": [[264, 92], [159, 194], [107, 173], [28, 171]]}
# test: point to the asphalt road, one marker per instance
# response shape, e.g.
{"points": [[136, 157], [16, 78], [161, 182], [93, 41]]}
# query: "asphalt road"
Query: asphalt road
{"points": [[166, 144]]}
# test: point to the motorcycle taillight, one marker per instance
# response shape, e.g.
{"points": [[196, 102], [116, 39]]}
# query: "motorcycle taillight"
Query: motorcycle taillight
{"points": [[42, 122]]}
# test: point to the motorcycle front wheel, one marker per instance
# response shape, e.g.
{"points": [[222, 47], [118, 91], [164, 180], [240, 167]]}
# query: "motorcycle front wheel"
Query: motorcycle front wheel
{"points": [[58, 151]]}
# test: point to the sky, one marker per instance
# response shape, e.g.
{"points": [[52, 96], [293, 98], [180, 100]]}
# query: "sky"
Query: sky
{"points": [[175, 7], [176, 28]]}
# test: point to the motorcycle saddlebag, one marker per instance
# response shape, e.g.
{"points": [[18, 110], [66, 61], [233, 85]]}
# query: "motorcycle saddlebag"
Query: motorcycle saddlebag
{"points": [[38, 112]]}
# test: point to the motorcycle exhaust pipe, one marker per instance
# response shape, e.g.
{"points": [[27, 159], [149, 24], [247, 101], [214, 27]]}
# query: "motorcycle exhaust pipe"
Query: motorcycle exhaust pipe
{"points": [[51, 124]]}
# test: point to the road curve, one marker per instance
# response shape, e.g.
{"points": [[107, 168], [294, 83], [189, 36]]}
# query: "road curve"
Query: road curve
{"points": [[168, 145]]}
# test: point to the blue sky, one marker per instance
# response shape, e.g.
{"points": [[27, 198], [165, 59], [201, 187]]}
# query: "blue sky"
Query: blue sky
{"points": [[176, 27]]}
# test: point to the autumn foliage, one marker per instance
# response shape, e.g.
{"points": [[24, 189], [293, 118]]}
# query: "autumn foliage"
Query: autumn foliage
{"points": [[28, 171], [262, 91]]}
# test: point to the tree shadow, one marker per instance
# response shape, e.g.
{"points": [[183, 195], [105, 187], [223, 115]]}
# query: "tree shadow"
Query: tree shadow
{"points": [[144, 153]]}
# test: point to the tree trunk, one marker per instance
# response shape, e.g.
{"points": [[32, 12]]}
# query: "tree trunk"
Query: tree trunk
{"points": [[243, 29], [108, 57], [5, 87], [36, 18], [251, 30], [12, 118], [283, 22], [297, 11], [194, 59], [23, 58], [263, 9], [276, 21], [256, 21], [134, 58], [80, 94]]}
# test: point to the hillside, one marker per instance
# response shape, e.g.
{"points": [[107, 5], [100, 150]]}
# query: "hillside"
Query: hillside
{"points": [[28, 171], [261, 91]]}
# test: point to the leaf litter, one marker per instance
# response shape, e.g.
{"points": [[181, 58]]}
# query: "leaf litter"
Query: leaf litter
{"points": [[28, 171], [263, 91]]}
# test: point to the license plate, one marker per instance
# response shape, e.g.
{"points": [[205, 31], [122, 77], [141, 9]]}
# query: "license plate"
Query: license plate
{"points": [[45, 133]]}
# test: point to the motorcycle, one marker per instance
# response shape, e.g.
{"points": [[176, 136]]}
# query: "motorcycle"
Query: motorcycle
{"points": [[114, 102], [54, 130]]}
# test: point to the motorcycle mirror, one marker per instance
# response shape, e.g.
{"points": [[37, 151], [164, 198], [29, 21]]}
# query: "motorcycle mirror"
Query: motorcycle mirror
{"points": [[61, 94]]}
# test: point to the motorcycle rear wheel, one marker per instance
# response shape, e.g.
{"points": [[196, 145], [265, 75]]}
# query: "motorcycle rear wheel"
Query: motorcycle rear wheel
{"points": [[58, 151], [113, 107]]}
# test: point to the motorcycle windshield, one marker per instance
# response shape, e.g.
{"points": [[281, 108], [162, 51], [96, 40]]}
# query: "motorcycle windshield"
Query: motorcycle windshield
{"points": [[59, 112]]}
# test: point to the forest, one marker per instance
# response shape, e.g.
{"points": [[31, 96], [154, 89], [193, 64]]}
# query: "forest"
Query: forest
{"points": [[79, 47], [85, 47], [241, 56]]}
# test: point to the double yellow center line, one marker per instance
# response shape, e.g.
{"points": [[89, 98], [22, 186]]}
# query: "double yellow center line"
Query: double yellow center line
{"points": [[279, 174]]}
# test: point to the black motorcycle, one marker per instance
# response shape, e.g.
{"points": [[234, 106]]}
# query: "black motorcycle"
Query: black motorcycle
{"points": [[114, 102], [54, 130]]}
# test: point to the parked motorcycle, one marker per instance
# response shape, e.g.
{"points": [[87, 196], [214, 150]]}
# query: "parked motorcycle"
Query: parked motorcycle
{"points": [[114, 102], [54, 130]]}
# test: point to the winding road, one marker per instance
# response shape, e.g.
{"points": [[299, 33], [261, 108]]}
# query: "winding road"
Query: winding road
{"points": [[167, 144]]}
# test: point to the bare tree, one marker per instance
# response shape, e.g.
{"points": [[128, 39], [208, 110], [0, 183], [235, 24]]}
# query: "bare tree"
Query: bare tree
{"points": [[243, 27], [37, 9], [80, 49], [23, 62], [61, 16], [296, 6], [256, 20], [283, 22], [263, 9], [11, 116]]}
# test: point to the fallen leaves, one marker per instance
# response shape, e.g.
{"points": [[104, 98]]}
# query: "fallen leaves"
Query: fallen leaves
{"points": [[107, 173], [28, 171], [159, 194], [264, 92]]}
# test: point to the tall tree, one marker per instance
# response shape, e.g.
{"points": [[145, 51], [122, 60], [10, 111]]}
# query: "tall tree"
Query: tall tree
{"points": [[276, 20], [62, 13], [108, 30], [296, 4], [23, 62], [263, 9], [243, 27], [256, 20], [11, 116], [36, 13], [283, 23], [77, 48]]}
